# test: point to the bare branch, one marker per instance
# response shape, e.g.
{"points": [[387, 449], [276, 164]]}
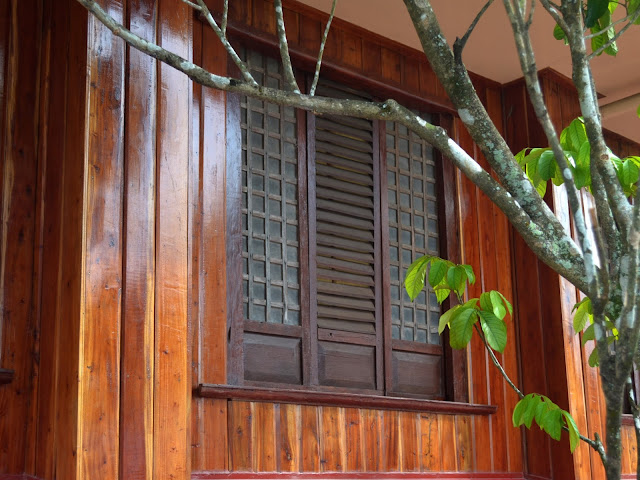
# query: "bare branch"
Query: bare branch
{"points": [[289, 77], [600, 32], [530, 72], [595, 444], [244, 70], [456, 82], [225, 17], [459, 44], [192, 5], [316, 75]]}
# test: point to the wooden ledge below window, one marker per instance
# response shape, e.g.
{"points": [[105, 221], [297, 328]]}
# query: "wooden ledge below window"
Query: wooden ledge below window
{"points": [[6, 376], [313, 397]]}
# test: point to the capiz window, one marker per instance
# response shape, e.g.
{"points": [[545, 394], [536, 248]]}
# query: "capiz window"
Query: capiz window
{"points": [[333, 211]]}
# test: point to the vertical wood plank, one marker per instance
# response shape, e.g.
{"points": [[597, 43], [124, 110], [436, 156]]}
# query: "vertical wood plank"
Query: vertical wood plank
{"points": [[136, 418], [372, 439], [171, 372], [70, 255], [633, 449], [390, 446], [17, 230], [212, 291], [352, 50], [354, 440], [332, 447], [263, 437], [430, 457], [99, 395], [290, 438], [391, 65], [240, 441], [51, 241], [310, 446], [447, 428], [372, 61], [464, 443], [409, 441]]}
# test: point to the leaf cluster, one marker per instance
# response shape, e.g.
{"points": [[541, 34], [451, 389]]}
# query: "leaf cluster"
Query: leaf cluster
{"points": [[445, 277], [598, 18], [584, 318], [541, 166], [547, 415]]}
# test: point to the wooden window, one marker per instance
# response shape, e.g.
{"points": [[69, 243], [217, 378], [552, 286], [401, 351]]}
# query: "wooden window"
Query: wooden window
{"points": [[333, 211]]}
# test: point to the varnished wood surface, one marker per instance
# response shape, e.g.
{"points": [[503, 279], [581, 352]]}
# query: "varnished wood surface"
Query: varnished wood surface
{"points": [[133, 230], [308, 397], [266, 437]]}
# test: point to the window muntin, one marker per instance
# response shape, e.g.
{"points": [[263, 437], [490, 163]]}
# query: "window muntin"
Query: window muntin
{"points": [[337, 338]]}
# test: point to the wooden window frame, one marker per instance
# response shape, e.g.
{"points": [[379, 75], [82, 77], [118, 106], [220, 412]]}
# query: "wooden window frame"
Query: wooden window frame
{"points": [[454, 362]]}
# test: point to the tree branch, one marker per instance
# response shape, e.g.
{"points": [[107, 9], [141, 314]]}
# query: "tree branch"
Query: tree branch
{"points": [[227, 46], [316, 75], [530, 72], [461, 92], [289, 77], [595, 444], [459, 44], [225, 17]]}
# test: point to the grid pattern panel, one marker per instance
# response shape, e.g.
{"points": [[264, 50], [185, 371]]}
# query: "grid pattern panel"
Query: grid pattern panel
{"points": [[270, 237], [413, 231]]}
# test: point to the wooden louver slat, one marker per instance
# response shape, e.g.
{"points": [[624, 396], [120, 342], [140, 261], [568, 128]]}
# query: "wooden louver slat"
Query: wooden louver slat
{"points": [[345, 221]]}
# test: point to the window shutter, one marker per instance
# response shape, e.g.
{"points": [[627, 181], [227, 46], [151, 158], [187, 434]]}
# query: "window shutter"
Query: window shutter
{"points": [[347, 224]]}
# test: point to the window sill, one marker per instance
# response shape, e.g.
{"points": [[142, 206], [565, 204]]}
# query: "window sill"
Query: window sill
{"points": [[6, 376], [313, 397]]}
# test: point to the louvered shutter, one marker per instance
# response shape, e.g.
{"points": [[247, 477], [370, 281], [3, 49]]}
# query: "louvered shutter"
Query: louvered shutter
{"points": [[347, 225]]}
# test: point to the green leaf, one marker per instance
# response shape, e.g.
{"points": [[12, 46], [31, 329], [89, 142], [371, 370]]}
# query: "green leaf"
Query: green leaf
{"points": [[558, 33], [638, 111], [574, 434], [629, 172], [446, 318], [470, 274], [494, 329], [506, 303], [437, 271], [498, 308], [518, 411], [485, 302], [530, 413], [588, 334], [414, 281], [461, 327], [594, 358], [442, 293], [456, 278], [580, 319], [633, 6], [552, 422], [576, 135], [595, 9], [546, 165]]}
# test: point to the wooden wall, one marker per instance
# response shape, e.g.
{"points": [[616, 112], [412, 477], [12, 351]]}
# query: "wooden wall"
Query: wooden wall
{"points": [[544, 298], [113, 262], [226, 436]]}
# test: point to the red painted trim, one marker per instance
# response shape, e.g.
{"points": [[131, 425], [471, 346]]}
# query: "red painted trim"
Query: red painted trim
{"points": [[356, 476], [315, 397]]}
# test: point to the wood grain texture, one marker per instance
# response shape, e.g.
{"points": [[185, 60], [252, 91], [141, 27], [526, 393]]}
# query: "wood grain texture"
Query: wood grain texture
{"points": [[136, 418], [99, 380], [70, 255], [171, 370], [209, 268], [18, 327]]}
